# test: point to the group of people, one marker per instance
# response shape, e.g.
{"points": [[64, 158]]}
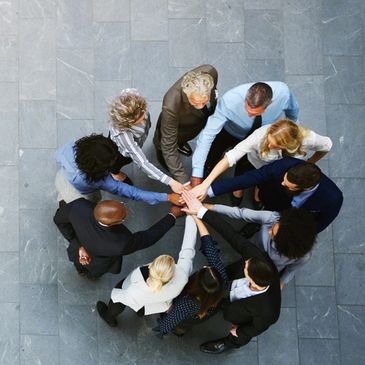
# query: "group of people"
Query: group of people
{"points": [[293, 201]]}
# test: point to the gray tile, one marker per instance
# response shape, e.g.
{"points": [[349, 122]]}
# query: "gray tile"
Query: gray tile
{"points": [[263, 34], [9, 58], [78, 335], [350, 279], [38, 247], [74, 24], [37, 8], [262, 4], [319, 351], [9, 123], [317, 312], [9, 333], [279, 344], [38, 350], [9, 276], [186, 34], [261, 70], [176, 72], [344, 80], [186, 8], [111, 10], [303, 18], [75, 84], [151, 74], [37, 63], [112, 51], [347, 228], [346, 135], [38, 310], [37, 188], [288, 295], [9, 17], [9, 184], [145, 27], [225, 21], [352, 333], [71, 129], [39, 115], [341, 24], [9, 229]]}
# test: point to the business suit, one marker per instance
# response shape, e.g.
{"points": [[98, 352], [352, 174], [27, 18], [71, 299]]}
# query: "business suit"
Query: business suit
{"points": [[325, 202], [179, 122], [106, 245]]}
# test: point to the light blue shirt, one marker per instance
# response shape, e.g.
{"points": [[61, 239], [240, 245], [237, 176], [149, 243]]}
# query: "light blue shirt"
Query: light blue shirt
{"points": [[300, 199], [65, 157], [231, 114]]}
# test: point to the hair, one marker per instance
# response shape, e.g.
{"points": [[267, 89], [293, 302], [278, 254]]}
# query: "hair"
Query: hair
{"points": [[126, 109], [96, 156], [262, 272], [197, 82], [110, 211], [207, 286], [259, 95], [288, 135], [296, 234], [161, 271], [304, 175]]}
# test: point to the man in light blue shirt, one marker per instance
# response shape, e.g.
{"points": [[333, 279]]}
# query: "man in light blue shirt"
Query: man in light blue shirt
{"points": [[239, 112]]}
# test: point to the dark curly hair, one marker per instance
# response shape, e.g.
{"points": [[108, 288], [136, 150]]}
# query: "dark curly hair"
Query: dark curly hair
{"points": [[305, 175], [262, 271], [97, 156]]}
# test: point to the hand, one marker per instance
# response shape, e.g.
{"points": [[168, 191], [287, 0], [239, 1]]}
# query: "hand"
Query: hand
{"points": [[84, 257], [119, 177], [177, 211], [200, 191], [233, 330], [192, 202], [209, 206], [195, 181], [176, 187], [175, 199]]}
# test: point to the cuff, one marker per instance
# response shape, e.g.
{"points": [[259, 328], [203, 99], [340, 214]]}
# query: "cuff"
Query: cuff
{"points": [[201, 212], [210, 192], [197, 173], [230, 158]]}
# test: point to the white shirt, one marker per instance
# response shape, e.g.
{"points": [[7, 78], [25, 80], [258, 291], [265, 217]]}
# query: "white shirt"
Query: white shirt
{"points": [[240, 289]]}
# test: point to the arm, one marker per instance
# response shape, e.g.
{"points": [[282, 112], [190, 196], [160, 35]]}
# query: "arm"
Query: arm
{"points": [[292, 109], [288, 273], [329, 213], [320, 144]]}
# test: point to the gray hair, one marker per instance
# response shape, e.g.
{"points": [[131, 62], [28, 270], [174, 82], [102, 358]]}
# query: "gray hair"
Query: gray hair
{"points": [[197, 82]]}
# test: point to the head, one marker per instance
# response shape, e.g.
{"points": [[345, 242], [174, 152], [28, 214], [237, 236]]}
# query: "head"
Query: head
{"points": [[127, 109], [258, 98], [295, 233], [97, 156], [197, 86], [110, 212], [260, 273], [161, 271]]}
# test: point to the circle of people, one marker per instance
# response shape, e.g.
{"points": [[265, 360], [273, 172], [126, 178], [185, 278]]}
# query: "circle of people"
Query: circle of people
{"points": [[293, 201]]}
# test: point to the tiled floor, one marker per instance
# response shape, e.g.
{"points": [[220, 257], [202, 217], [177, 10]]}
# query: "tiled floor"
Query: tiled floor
{"points": [[61, 62]]}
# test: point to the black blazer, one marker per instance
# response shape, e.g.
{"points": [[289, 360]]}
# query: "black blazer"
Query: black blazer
{"points": [[106, 245], [255, 314]]}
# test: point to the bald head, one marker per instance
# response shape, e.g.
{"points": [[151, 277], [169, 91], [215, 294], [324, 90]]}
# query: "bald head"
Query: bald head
{"points": [[110, 212]]}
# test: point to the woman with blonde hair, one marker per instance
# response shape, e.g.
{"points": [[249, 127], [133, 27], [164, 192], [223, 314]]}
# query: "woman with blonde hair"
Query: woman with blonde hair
{"points": [[151, 288], [129, 126], [267, 144]]}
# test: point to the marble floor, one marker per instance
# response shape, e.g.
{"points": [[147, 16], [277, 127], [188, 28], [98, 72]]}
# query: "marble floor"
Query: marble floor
{"points": [[61, 62]]}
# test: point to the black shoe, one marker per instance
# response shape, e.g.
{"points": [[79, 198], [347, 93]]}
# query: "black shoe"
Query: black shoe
{"points": [[213, 347], [250, 229], [235, 201], [102, 308], [185, 149]]}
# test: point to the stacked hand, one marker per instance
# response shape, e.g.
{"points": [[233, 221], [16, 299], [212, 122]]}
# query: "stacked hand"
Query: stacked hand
{"points": [[200, 191], [193, 204]]}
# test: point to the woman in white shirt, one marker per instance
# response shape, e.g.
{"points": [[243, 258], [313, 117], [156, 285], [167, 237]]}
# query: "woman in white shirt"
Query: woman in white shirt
{"points": [[129, 127], [267, 144]]}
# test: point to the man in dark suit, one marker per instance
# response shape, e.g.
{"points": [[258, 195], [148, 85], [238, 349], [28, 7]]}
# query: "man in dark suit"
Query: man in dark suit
{"points": [[185, 110], [287, 183], [99, 240]]}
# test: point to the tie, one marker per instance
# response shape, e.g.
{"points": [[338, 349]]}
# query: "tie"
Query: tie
{"points": [[256, 124]]}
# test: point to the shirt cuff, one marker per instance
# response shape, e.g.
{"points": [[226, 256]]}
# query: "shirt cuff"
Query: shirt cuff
{"points": [[197, 173], [166, 179], [210, 192], [173, 215], [231, 160], [201, 212]]}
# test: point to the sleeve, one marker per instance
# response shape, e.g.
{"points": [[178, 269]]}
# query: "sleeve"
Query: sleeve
{"points": [[292, 109], [247, 331], [127, 144], [288, 273], [316, 142], [330, 212], [214, 125]]}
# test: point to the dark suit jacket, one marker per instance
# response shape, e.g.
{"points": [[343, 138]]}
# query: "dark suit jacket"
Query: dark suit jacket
{"points": [[255, 314], [325, 202], [179, 122], [106, 245]]}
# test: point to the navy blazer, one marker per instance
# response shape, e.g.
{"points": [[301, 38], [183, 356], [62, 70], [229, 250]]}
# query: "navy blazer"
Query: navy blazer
{"points": [[325, 202]]}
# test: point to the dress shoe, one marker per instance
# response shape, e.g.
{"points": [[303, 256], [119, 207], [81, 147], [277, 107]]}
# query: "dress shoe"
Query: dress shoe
{"points": [[185, 149], [102, 309], [213, 347]]}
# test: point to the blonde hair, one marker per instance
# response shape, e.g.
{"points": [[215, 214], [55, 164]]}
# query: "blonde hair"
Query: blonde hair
{"points": [[161, 271], [287, 135], [197, 82], [126, 109]]}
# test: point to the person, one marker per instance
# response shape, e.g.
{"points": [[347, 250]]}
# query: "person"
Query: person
{"points": [[286, 183], [270, 143], [185, 109], [253, 297], [97, 237], [93, 163], [287, 237], [151, 288], [239, 113], [129, 127]]}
